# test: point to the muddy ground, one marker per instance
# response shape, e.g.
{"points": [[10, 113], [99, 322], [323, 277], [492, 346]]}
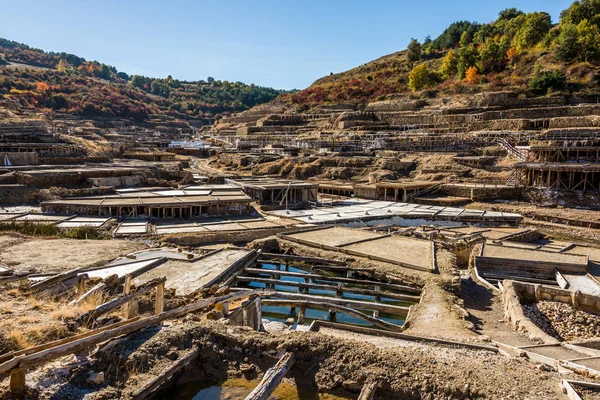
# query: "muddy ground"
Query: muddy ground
{"points": [[323, 363]]}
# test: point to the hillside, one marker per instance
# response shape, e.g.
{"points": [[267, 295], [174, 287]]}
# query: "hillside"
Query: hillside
{"points": [[524, 53], [40, 80]]}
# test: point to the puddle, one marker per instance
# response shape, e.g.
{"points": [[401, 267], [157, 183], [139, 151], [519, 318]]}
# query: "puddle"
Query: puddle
{"points": [[234, 389]]}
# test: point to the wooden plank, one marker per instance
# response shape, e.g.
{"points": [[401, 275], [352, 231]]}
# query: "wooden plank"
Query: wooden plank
{"points": [[31, 350], [63, 286], [14, 278], [159, 305], [384, 285], [112, 304], [312, 260], [333, 288], [95, 289], [368, 390], [41, 357], [569, 390], [36, 287], [17, 380], [398, 310], [272, 378], [334, 308], [165, 375], [177, 312]]}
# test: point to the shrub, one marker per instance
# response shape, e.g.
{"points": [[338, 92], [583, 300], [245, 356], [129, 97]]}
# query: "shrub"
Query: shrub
{"points": [[554, 80]]}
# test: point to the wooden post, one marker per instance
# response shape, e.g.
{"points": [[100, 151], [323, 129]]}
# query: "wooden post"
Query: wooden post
{"points": [[17, 380], [301, 315], [368, 390], [272, 378], [377, 300], [159, 305], [223, 308], [126, 308]]}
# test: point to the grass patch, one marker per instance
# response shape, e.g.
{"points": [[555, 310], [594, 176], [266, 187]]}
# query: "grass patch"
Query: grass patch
{"points": [[35, 229]]}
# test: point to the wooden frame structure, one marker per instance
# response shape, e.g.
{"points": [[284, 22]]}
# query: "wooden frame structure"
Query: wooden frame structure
{"points": [[559, 176]]}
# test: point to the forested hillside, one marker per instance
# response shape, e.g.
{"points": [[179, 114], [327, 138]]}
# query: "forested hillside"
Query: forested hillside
{"points": [[524, 52], [66, 82]]}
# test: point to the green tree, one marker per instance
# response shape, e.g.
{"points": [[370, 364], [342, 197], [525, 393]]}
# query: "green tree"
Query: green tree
{"points": [[567, 44], [536, 26], [589, 41], [449, 65], [548, 80], [466, 38], [421, 77], [467, 57], [413, 53], [580, 10], [509, 14]]}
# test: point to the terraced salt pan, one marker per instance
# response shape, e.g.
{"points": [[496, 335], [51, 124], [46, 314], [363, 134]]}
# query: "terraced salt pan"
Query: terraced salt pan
{"points": [[187, 277], [335, 236]]}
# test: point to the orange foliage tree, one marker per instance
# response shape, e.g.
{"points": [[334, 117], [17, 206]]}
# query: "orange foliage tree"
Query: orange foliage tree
{"points": [[41, 87], [471, 75]]}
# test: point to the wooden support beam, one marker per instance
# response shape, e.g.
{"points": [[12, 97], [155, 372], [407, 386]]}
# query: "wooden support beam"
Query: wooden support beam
{"points": [[32, 357], [159, 304], [312, 260], [126, 291], [272, 378], [383, 285], [336, 308], [242, 294], [41, 357], [112, 304], [14, 278], [165, 375], [388, 308], [368, 390], [318, 286], [53, 280], [94, 290]]}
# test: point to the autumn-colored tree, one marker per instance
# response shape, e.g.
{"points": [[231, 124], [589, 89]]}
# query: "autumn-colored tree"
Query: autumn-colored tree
{"points": [[421, 77], [471, 75], [589, 41], [512, 55], [41, 87], [62, 66], [449, 65]]}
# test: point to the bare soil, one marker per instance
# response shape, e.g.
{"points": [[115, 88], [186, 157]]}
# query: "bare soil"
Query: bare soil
{"points": [[323, 364], [58, 255]]}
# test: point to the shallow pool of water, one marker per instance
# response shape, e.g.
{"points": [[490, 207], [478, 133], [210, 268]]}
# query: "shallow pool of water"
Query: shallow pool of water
{"points": [[281, 314], [234, 389]]}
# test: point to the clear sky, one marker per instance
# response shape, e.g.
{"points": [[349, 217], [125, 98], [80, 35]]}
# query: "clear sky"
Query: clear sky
{"points": [[280, 43]]}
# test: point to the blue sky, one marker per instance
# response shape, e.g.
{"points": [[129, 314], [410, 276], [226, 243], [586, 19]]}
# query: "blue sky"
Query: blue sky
{"points": [[284, 44]]}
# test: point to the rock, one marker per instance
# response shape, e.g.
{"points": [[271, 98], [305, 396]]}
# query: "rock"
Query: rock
{"points": [[214, 315], [289, 321], [352, 386], [247, 368], [172, 355], [96, 378], [191, 317]]}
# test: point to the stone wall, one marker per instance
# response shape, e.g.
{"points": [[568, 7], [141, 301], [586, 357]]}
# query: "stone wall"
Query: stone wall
{"points": [[19, 158], [483, 193], [17, 194], [513, 312], [117, 181]]}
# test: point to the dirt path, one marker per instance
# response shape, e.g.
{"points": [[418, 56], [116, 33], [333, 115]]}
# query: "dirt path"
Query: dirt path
{"points": [[486, 314]]}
